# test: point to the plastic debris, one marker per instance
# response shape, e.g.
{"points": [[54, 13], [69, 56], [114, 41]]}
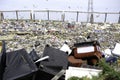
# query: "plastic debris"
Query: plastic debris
{"points": [[55, 33], [116, 50]]}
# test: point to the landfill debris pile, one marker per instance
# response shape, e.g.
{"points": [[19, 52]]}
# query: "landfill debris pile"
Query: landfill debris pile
{"points": [[85, 44], [36, 34]]}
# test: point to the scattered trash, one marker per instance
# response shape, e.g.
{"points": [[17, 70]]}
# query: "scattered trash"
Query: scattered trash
{"points": [[18, 65], [85, 51], [58, 32], [53, 60], [111, 59], [41, 59], [107, 53], [66, 48], [81, 72], [56, 62], [33, 55], [116, 50]]}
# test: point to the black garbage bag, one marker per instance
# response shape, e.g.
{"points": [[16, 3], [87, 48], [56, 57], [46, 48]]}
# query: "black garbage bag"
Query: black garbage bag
{"points": [[2, 60], [56, 62], [33, 55], [42, 75], [19, 65]]}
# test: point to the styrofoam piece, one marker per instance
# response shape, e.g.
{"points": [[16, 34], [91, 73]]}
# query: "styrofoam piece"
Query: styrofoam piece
{"points": [[116, 50], [107, 52], [85, 49], [66, 48], [81, 72]]}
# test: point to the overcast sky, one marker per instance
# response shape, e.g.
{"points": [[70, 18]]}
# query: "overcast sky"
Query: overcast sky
{"points": [[76, 5], [80, 5]]}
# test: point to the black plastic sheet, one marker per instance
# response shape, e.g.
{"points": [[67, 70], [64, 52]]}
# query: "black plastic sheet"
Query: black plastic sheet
{"points": [[2, 60], [56, 62], [33, 55], [18, 65]]}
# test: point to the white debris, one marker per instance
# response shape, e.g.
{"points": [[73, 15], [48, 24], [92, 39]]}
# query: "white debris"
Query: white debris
{"points": [[66, 48], [107, 53], [116, 50], [81, 72]]}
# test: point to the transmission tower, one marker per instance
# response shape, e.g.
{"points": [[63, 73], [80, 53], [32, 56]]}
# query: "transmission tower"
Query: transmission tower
{"points": [[90, 12]]}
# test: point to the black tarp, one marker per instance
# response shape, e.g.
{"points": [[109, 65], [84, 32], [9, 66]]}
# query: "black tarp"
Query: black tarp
{"points": [[33, 55], [18, 65], [2, 60], [56, 62]]}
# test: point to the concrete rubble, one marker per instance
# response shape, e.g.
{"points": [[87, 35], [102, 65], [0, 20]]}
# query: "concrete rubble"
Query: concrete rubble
{"points": [[36, 34]]}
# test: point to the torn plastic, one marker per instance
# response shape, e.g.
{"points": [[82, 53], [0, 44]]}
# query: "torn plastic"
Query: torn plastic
{"points": [[116, 50], [33, 55], [18, 65], [2, 59], [56, 62], [66, 48]]}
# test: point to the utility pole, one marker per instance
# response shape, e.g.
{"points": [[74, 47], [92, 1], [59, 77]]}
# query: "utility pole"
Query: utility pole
{"points": [[90, 17]]}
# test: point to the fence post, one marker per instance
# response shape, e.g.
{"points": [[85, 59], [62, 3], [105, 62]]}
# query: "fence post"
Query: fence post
{"points": [[17, 15], [63, 16], [34, 16], [119, 19], [92, 19], [48, 14], [31, 12], [77, 16], [2, 16], [105, 18]]}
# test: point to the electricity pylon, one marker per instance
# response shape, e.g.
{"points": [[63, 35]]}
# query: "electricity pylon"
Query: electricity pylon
{"points": [[90, 17]]}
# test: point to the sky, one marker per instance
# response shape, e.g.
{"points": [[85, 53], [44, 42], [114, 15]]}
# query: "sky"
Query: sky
{"points": [[81, 5], [76, 5]]}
